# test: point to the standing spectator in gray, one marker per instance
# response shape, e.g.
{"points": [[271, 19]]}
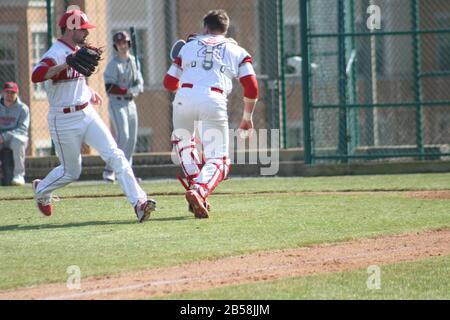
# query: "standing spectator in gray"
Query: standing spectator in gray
{"points": [[14, 123], [123, 82]]}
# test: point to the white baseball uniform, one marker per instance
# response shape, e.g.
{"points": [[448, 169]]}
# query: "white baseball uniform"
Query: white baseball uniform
{"points": [[125, 83], [205, 67], [72, 120]]}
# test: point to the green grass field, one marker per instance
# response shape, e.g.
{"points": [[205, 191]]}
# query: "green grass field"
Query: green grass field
{"points": [[426, 279], [95, 228]]}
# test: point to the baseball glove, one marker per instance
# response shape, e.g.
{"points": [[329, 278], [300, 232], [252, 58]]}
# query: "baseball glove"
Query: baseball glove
{"points": [[85, 60]]}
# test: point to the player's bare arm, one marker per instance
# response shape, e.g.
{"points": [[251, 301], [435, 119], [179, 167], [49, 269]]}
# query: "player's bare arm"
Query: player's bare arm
{"points": [[250, 85], [247, 116], [96, 98], [53, 71]]}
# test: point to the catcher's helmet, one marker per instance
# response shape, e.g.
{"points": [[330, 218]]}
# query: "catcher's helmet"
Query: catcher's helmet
{"points": [[121, 36]]}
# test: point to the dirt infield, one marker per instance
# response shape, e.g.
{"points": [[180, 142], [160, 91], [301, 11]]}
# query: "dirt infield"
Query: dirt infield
{"points": [[260, 266], [431, 195], [421, 194]]}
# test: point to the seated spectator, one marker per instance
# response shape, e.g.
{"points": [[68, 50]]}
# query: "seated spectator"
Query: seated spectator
{"points": [[14, 123]]}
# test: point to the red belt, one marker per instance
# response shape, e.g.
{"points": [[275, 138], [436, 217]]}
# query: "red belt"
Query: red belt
{"points": [[190, 85], [75, 108]]}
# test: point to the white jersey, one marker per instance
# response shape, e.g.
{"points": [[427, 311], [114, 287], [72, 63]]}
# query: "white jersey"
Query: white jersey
{"points": [[68, 88], [211, 61]]}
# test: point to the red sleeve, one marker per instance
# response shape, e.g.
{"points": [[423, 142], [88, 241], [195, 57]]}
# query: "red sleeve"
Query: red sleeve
{"points": [[246, 59], [115, 89], [250, 86], [41, 70], [171, 83], [178, 61]]}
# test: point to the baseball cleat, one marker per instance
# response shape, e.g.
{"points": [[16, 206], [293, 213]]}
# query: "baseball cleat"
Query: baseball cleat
{"points": [[44, 204], [18, 180], [197, 204], [143, 210], [109, 176], [206, 204]]}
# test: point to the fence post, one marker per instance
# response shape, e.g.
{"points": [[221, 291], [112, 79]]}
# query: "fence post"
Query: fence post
{"points": [[49, 23], [353, 113], [49, 42], [303, 5], [415, 10], [342, 85], [269, 60], [282, 67]]}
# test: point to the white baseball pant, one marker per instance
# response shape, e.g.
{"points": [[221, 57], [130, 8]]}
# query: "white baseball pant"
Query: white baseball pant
{"points": [[125, 121], [205, 111], [68, 132]]}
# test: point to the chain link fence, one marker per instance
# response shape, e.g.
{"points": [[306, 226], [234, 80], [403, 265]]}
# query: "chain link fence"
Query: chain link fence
{"points": [[380, 85], [376, 71]]}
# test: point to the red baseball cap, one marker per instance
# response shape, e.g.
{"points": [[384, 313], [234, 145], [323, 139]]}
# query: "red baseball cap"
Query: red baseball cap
{"points": [[75, 19], [11, 86]]}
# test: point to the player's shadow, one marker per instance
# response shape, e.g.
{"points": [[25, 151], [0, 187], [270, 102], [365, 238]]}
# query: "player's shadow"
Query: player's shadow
{"points": [[17, 227]]}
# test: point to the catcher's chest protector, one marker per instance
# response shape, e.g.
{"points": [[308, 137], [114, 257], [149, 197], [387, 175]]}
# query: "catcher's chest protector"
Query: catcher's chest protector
{"points": [[211, 61]]}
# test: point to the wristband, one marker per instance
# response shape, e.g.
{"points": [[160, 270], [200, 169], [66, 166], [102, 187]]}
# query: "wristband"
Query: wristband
{"points": [[250, 100], [247, 116]]}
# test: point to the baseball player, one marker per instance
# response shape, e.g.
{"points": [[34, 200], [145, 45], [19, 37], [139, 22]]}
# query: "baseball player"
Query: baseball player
{"points": [[202, 76], [73, 120], [14, 123], [123, 82]]}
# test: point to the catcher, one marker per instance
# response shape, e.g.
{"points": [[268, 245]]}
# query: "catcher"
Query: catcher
{"points": [[201, 74], [72, 120]]}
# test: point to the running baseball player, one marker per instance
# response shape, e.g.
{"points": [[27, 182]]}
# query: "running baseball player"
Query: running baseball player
{"points": [[123, 82], [73, 120], [202, 75], [14, 123]]}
